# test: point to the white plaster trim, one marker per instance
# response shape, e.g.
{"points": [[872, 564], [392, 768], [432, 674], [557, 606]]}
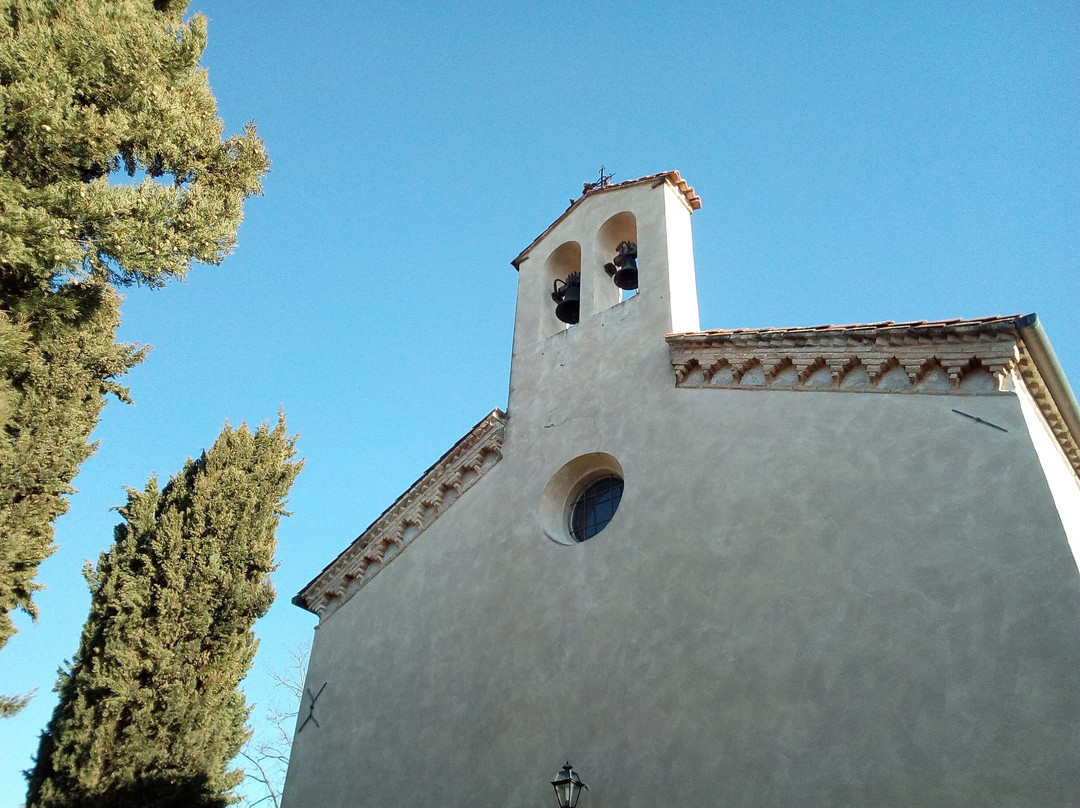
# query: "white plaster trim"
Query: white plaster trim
{"points": [[1059, 471], [413, 512]]}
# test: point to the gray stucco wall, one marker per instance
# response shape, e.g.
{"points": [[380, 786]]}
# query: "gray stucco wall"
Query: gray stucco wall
{"points": [[805, 598]]}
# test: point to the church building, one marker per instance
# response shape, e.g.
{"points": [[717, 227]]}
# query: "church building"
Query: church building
{"points": [[808, 566]]}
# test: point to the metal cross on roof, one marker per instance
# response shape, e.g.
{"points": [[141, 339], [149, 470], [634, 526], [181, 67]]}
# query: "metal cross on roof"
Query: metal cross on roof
{"points": [[603, 182]]}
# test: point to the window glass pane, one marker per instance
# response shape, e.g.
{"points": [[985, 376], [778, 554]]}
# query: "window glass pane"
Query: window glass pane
{"points": [[595, 507]]}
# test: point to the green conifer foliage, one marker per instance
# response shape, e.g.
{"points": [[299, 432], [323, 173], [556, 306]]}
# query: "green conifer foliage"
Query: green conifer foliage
{"points": [[149, 711], [113, 171], [55, 374]]}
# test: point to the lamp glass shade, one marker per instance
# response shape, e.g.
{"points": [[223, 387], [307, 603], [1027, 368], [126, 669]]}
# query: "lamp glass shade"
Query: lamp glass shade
{"points": [[568, 787]]}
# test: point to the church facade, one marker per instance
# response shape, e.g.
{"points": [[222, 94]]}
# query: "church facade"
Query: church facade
{"points": [[796, 566]]}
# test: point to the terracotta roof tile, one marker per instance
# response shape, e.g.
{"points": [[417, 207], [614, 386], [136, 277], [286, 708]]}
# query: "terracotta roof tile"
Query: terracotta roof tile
{"points": [[692, 199], [884, 325]]}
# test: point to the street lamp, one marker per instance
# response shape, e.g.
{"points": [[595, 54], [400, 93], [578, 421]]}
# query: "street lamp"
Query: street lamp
{"points": [[568, 787]]}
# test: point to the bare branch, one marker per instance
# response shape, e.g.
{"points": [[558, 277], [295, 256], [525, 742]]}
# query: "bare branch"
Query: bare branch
{"points": [[269, 747]]}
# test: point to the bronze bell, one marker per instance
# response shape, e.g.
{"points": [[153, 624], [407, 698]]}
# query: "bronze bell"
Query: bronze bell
{"points": [[567, 298], [625, 265]]}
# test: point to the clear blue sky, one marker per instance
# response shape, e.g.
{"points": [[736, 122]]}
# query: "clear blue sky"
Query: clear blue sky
{"points": [[856, 162]]}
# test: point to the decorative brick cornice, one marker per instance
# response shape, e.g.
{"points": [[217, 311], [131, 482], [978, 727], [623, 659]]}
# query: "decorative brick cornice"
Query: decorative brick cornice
{"points": [[948, 356], [412, 513], [970, 356]]}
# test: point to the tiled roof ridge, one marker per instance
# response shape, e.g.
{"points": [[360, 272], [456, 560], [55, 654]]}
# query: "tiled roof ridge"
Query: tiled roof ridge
{"points": [[673, 176], [837, 330]]}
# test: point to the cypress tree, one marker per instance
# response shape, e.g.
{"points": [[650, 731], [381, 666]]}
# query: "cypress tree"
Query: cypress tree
{"points": [[113, 171], [149, 711]]}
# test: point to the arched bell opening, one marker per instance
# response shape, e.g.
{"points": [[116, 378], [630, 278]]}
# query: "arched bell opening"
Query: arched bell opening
{"points": [[616, 251], [562, 281]]}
